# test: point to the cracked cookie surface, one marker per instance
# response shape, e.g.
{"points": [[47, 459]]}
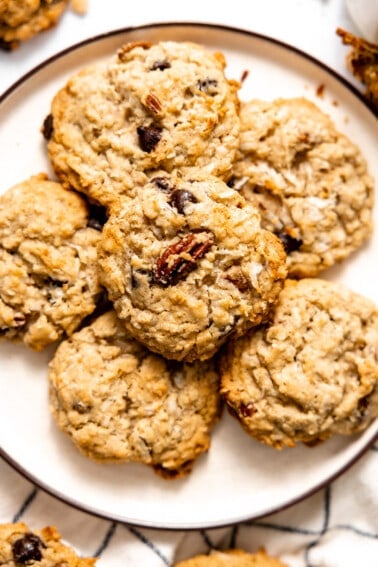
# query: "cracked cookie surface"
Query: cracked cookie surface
{"points": [[166, 105], [120, 402], [48, 262], [22, 19], [187, 264], [310, 373], [309, 181], [232, 558], [19, 545]]}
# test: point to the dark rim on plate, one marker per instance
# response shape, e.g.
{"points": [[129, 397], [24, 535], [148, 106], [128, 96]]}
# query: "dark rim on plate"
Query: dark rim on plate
{"points": [[93, 511]]}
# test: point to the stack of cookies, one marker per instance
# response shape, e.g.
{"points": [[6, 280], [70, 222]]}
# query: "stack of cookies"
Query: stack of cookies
{"points": [[204, 222]]}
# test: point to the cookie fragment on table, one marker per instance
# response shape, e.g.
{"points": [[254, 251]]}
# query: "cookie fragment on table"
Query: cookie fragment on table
{"points": [[21, 20], [232, 558], [312, 372], [362, 61], [19, 545], [166, 105], [187, 264], [118, 402], [48, 262], [310, 182]]}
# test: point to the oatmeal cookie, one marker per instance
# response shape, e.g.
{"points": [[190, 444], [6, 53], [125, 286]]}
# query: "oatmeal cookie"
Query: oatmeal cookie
{"points": [[166, 105], [22, 19], [187, 264], [309, 182], [232, 558], [38, 548], [119, 402], [312, 372], [48, 262]]}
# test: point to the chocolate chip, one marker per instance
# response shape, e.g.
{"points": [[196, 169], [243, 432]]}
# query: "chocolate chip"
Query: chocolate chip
{"points": [[290, 244], [80, 407], [160, 65], [48, 127], [7, 45], [149, 137], [208, 86], [247, 410], [180, 198], [27, 548], [97, 216], [162, 183]]}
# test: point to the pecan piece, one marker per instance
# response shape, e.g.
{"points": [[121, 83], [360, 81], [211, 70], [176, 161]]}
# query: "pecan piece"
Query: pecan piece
{"points": [[236, 276], [153, 103], [132, 45], [179, 259]]}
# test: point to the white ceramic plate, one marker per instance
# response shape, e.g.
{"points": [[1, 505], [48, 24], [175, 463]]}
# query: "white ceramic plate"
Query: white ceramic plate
{"points": [[239, 478]]}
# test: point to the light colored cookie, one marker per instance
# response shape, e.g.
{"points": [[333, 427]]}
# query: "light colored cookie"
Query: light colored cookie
{"points": [[186, 265], [48, 262], [309, 182], [119, 402], [232, 558], [166, 105], [23, 19], [312, 372], [37, 548]]}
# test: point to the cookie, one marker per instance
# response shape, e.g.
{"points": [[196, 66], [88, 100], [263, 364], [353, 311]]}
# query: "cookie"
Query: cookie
{"points": [[232, 558], [119, 402], [166, 105], [187, 264], [309, 374], [48, 262], [309, 181], [23, 19], [37, 548]]}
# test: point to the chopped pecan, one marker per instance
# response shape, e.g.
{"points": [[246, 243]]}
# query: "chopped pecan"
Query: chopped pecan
{"points": [[179, 259], [236, 276], [247, 410], [132, 45], [153, 103]]}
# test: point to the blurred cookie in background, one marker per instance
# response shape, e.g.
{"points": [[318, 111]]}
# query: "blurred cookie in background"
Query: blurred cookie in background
{"points": [[362, 61], [21, 20]]}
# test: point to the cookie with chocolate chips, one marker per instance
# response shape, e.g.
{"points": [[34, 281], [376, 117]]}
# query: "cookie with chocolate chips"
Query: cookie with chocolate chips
{"points": [[48, 262], [19, 545], [309, 181], [166, 105], [312, 372], [187, 264], [22, 19], [119, 402]]}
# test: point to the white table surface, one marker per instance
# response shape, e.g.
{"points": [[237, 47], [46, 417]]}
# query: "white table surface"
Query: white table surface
{"points": [[310, 26]]}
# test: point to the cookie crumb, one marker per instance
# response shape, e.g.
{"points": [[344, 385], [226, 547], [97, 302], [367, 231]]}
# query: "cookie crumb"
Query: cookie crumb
{"points": [[79, 6]]}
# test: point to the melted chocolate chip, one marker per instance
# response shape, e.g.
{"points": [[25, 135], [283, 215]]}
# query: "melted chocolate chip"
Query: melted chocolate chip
{"points": [[48, 127], [160, 65], [162, 183], [27, 548], [149, 137], [6, 45], [208, 86], [180, 198], [97, 216], [290, 244]]}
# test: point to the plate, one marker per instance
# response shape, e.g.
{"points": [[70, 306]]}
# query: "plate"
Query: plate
{"points": [[239, 478]]}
